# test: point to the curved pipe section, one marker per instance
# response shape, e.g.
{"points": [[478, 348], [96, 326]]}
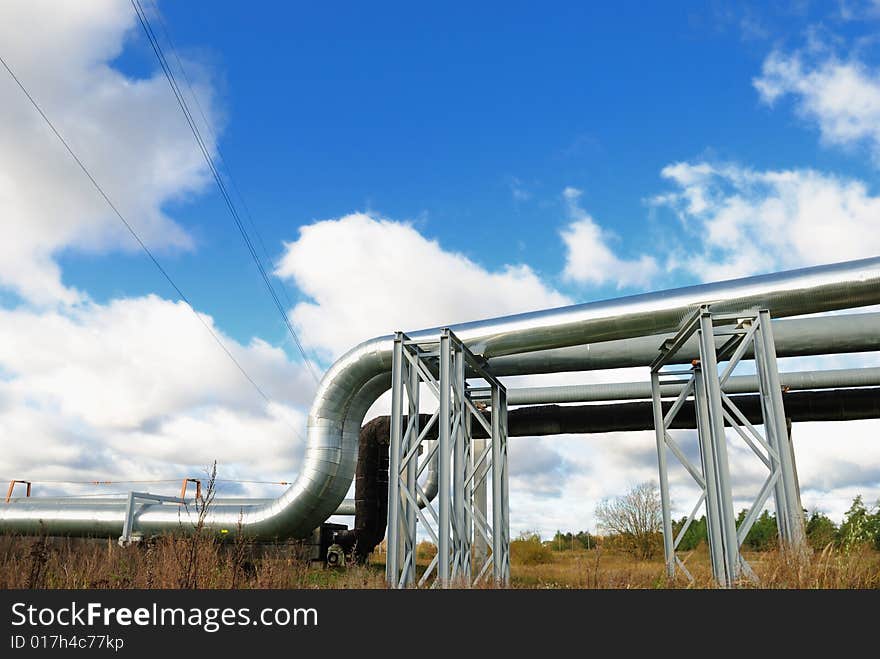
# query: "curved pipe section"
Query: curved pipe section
{"points": [[354, 382]]}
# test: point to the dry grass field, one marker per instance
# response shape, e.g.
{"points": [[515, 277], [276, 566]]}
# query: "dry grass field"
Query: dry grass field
{"points": [[597, 569], [200, 562]]}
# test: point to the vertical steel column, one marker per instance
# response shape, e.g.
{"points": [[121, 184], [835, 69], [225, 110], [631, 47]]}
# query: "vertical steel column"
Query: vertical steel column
{"points": [[707, 456], [783, 523], [411, 469], [795, 515], [468, 485], [481, 550], [392, 564], [128, 524], [797, 480], [719, 443], [660, 432], [460, 540], [505, 486], [497, 488], [444, 467]]}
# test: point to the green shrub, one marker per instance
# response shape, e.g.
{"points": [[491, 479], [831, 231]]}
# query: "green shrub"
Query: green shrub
{"points": [[860, 526], [426, 550], [821, 531], [529, 550]]}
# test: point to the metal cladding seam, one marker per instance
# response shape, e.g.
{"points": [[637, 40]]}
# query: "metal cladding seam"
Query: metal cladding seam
{"points": [[354, 382]]}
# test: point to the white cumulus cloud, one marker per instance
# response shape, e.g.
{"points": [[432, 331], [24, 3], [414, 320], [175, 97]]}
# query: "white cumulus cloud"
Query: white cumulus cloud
{"points": [[128, 132], [137, 388], [840, 96], [589, 257], [740, 221], [366, 276]]}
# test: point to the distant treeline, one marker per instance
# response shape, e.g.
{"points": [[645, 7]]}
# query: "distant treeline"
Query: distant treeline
{"points": [[861, 525], [579, 540]]}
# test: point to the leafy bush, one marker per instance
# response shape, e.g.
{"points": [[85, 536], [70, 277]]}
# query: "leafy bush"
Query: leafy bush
{"points": [[821, 531], [426, 550], [528, 549], [860, 526], [763, 535], [643, 546], [695, 535]]}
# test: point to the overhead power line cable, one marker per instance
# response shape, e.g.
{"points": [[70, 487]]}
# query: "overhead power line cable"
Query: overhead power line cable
{"points": [[223, 160], [132, 231], [224, 193]]}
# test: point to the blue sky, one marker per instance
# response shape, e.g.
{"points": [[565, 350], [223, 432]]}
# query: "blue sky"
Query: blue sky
{"points": [[468, 122], [407, 166]]}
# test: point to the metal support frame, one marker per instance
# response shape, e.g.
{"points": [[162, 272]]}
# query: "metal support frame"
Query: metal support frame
{"points": [[133, 497], [12, 483], [187, 481], [481, 508], [470, 538], [703, 382]]}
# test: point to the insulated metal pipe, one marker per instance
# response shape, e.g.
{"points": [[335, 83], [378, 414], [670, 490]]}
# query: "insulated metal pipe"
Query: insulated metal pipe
{"points": [[795, 337], [354, 382]]}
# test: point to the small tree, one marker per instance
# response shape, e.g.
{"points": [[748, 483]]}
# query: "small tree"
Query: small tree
{"points": [[568, 540], [528, 549], [821, 530], [634, 519], [860, 526], [697, 533], [561, 541], [763, 535], [586, 539]]}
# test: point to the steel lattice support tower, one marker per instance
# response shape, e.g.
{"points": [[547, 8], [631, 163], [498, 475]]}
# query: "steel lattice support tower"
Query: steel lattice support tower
{"points": [[703, 383], [458, 521]]}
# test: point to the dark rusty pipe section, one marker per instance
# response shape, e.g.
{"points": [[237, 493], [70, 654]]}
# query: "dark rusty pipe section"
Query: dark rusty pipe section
{"points": [[371, 488], [826, 405]]}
